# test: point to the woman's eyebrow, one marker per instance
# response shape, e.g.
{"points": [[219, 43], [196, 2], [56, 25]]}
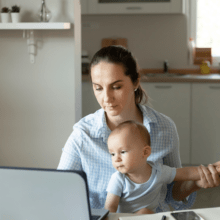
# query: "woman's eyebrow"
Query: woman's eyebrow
{"points": [[110, 84]]}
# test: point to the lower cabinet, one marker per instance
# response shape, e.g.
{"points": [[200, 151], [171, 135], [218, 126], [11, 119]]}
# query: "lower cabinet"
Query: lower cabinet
{"points": [[205, 123], [173, 100]]}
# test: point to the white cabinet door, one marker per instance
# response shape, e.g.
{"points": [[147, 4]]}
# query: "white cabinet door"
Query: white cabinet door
{"points": [[173, 100], [89, 102], [84, 6], [205, 123], [172, 7]]}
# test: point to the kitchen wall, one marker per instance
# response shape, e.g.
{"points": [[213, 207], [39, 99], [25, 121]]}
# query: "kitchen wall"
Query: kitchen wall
{"points": [[38, 101], [38, 104], [151, 38]]}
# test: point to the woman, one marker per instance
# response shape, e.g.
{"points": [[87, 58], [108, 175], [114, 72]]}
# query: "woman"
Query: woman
{"points": [[116, 85]]}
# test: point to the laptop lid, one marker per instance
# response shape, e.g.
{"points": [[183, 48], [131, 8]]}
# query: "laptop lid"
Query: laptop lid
{"points": [[33, 194]]}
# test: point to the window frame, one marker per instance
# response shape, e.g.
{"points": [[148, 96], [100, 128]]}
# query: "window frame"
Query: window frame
{"points": [[192, 28]]}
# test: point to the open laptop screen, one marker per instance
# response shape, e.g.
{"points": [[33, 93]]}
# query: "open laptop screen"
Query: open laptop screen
{"points": [[34, 194]]}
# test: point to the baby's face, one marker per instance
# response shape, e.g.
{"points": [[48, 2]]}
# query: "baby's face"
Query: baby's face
{"points": [[126, 151]]}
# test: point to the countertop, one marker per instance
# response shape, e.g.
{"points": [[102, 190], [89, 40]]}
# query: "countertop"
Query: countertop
{"points": [[185, 78], [181, 78], [205, 213]]}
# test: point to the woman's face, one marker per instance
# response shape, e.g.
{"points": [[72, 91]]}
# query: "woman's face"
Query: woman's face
{"points": [[113, 90]]}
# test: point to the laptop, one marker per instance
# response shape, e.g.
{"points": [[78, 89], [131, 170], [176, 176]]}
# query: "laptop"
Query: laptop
{"points": [[46, 194]]}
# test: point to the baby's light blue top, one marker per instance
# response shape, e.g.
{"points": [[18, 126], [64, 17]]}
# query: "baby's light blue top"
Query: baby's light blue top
{"points": [[136, 196], [86, 149]]}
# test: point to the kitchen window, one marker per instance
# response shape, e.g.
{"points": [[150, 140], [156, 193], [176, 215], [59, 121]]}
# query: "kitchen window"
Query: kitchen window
{"points": [[205, 25]]}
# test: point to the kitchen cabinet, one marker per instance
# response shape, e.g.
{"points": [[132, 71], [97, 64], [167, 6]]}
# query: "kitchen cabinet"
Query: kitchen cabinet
{"points": [[141, 7], [205, 123], [173, 100], [84, 6], [89, 102]]}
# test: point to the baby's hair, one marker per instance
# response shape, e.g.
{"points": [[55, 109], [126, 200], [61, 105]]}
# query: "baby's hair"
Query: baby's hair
{"points": [[137, 127]]}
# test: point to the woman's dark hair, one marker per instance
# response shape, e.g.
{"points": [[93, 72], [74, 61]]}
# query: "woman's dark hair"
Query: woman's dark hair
{"points": [[120, 55]]}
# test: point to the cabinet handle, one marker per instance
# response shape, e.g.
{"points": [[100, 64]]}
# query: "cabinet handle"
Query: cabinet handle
{"points": [[214, 87], [134, 8], [163, 87]]}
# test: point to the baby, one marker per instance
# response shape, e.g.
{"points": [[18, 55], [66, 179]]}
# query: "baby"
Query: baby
{"points": [[135, 186]]}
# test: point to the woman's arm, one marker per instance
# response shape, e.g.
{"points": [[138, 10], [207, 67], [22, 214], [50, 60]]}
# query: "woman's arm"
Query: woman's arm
{"points": [[70, 158], [188, 173], [112, 202], [208, 178], [178, 190]]}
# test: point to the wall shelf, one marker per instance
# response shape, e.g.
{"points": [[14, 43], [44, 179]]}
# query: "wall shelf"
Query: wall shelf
{"points": [[35, 26], [28, 32]]}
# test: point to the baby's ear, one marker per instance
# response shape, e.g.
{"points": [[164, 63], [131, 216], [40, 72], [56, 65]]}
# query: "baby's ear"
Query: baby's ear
{"points": [[147, 151]]}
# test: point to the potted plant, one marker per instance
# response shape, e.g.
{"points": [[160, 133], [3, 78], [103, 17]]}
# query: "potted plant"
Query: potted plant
{"points": [[15, 14], [5, 15]]}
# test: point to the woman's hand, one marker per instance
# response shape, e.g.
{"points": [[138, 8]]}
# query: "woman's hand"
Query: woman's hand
{"points": [[209, 176]]}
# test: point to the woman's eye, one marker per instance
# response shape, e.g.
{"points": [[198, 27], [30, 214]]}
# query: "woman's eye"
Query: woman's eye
{"points": [[116, 87], [112, 154], [123, 152], [98, 89]]}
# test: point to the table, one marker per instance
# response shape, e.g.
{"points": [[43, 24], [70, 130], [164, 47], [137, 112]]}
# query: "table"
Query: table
{"points": [[207, 214]]}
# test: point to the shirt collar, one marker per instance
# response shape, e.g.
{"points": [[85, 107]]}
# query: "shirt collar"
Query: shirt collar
{"points": [[148, 114], [102, 130]]}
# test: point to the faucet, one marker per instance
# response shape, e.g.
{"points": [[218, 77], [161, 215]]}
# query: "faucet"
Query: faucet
{"points": [[165, 67]]}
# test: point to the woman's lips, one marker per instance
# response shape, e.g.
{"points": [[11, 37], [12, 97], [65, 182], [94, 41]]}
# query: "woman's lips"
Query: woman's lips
{"points": [[111, 107]]}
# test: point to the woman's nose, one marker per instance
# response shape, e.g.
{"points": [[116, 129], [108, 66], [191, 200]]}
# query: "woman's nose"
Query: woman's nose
{"points": [[107, 96]]}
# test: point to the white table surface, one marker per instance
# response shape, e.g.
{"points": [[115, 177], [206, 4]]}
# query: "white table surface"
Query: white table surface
{"points": [[207, 214]]}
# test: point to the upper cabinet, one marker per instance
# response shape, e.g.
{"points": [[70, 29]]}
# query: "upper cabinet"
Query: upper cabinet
{"points": [[84, 6], [133, 6]]}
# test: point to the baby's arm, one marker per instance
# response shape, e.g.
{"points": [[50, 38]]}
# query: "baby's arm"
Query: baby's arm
{"points": [[189, 173], [112, 202]]}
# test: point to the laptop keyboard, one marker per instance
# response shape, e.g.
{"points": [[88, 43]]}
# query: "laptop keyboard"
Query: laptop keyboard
{"points": [[95, 217]]}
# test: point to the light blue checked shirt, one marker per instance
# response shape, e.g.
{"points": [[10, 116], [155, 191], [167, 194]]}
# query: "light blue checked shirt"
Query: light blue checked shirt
{"points": [[86, 149]]}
